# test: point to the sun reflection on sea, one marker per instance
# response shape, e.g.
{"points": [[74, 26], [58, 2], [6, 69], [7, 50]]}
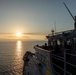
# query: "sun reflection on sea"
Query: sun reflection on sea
{"points": [[19, 45], [19, 48]]}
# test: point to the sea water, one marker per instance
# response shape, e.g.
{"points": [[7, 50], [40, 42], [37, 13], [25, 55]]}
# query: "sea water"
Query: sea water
{"points": [[11, 55]]}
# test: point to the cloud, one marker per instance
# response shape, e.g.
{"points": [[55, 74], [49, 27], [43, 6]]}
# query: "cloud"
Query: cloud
{"points": [[25, 36]]}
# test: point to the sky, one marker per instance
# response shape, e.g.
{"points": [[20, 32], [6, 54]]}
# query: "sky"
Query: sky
{"points": [[34, 18]]}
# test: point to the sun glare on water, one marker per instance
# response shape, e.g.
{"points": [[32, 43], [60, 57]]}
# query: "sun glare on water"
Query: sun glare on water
{"points": [[19, 34]]}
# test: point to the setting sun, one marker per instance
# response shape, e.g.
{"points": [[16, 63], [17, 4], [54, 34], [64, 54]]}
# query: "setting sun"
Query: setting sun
{"points": [[19, 34]]}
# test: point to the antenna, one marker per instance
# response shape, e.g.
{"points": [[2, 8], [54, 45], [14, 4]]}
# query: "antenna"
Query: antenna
{"points": [[55, 25], [69, 11]]}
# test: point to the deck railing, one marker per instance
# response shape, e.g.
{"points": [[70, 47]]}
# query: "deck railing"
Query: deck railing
{"points": [[57, 33], [63, 59]]}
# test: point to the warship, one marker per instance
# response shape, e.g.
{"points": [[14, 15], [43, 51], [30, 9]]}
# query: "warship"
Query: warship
{"points": [[58, 57]]}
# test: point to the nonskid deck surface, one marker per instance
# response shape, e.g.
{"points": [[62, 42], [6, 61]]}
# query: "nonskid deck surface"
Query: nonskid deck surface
{"points": [[31, 68]]}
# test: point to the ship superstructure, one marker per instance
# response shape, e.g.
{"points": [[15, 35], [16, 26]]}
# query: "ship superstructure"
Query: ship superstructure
{"points": [[58, 57]]}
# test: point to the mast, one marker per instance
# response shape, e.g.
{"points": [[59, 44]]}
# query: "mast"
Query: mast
{"points": [[74, 18], [55, 25]]}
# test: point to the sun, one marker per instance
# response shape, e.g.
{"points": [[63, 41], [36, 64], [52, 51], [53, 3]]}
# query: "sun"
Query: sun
{"points": [[19, 34]]}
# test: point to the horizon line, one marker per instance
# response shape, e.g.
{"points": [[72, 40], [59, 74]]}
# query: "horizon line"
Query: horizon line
{"points": [[28, 33]]}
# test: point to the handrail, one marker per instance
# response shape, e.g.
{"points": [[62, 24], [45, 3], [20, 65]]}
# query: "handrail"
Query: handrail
{"points": [[71, 64], [58, 66], [58, 59], [43, 49], [62, 32], [56, 72], [61, 68], [63, 59], [57, 56], [71, 54]]}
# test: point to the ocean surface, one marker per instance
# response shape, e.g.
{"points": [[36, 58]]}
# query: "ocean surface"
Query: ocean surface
{"points": [[11, 56]]}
